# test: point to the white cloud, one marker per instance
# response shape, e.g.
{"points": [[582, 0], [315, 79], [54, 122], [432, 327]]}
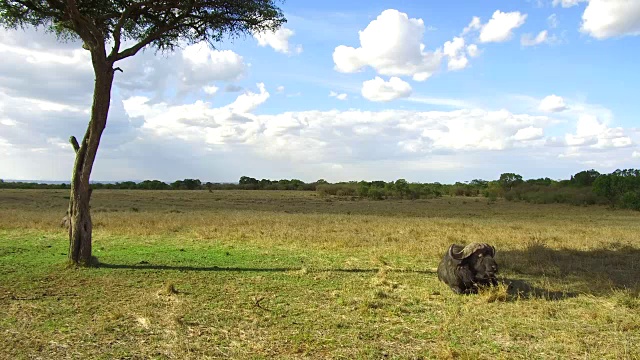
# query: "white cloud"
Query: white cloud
{"points": [[338, 96], [8, 122], [31, 59], [594, 133], [199, 121], [343, 137], [567, 3], [204, 65], [392, 45], [457, 63], [552, 21], [610, 18], [210, 89], [32, 128], [278, 40], [474, 25], [501, 25], [636, 155], [530, 40], [529, 133], [588, 126], [280, 89], [454, 47], [473, 50], [249, 101], [380, 90], [454, 50], [552, 103]]}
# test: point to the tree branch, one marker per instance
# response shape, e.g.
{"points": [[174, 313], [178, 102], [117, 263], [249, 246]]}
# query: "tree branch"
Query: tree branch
{"points": [[144, 42], [87, 30], [117, 30], [176, 24], [74, 143]]}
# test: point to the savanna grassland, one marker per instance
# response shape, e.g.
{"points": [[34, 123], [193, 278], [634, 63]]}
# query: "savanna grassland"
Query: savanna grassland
{"points": [[276, 274]]}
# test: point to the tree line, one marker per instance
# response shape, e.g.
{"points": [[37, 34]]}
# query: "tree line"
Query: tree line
{"points": [[620, 188], [245, 183]]}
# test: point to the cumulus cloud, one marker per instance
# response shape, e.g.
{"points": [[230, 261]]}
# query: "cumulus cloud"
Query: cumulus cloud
{"points": [[500, 27], [529, 133], [458, 63], [196, 121], [610, 18], [595, 133], [454, 50], [392, 45], [454, 47], [339, 96], [474, 25], [204, 65], [343, 137], [473, 50], [278, 40], [249, 101], [552, 103], [210, 90], [380, 90], [35, 133], [27, 61]]}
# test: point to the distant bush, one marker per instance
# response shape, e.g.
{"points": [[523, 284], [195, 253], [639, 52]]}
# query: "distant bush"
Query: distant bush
{"points": [[540, 194], [379, 190], [630, 200], [336, 189], [376, 193]]}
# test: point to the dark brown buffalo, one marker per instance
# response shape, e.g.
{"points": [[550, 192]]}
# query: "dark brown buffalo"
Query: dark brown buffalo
{"points": [[465, 268]]}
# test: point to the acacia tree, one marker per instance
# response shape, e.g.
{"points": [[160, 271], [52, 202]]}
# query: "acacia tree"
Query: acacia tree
{"points": [[509, 180], [104, 27]]}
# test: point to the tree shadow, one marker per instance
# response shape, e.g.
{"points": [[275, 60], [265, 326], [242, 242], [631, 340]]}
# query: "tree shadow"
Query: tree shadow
{"points": [[146, 266], [143, 265], [535, 271], [520, 289], [516, 289], [595, 272]]}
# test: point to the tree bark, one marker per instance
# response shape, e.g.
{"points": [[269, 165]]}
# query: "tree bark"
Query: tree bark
{"points": [[80, 227]]}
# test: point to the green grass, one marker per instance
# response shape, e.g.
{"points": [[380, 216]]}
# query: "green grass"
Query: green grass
{"points": [[257, 275]]}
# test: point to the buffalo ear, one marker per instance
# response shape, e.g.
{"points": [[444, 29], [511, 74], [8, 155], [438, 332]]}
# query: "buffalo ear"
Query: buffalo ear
{"points": [[493, 251]]}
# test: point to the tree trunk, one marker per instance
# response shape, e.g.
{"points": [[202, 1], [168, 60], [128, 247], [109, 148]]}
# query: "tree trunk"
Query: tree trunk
{"points": [[80, 226]]}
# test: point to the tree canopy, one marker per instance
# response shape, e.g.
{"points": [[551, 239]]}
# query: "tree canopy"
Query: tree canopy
{"points": [[160, 24]]}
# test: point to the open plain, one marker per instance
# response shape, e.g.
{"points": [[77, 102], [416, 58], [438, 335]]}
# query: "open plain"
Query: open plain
{"points": [[277, 274]]}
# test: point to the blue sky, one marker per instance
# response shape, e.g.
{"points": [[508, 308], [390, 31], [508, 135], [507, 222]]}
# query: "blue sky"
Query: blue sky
{"points": [[437, 91]]}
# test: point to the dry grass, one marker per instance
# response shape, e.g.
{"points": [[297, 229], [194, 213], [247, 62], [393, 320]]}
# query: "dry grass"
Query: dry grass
{"points": [[250, 274]]}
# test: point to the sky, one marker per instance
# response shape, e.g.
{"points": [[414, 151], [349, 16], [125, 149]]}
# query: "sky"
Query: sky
{"points": [[364, 90]]}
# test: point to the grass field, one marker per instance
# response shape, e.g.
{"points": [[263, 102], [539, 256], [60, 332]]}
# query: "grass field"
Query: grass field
{"points": [[256, 275]]}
